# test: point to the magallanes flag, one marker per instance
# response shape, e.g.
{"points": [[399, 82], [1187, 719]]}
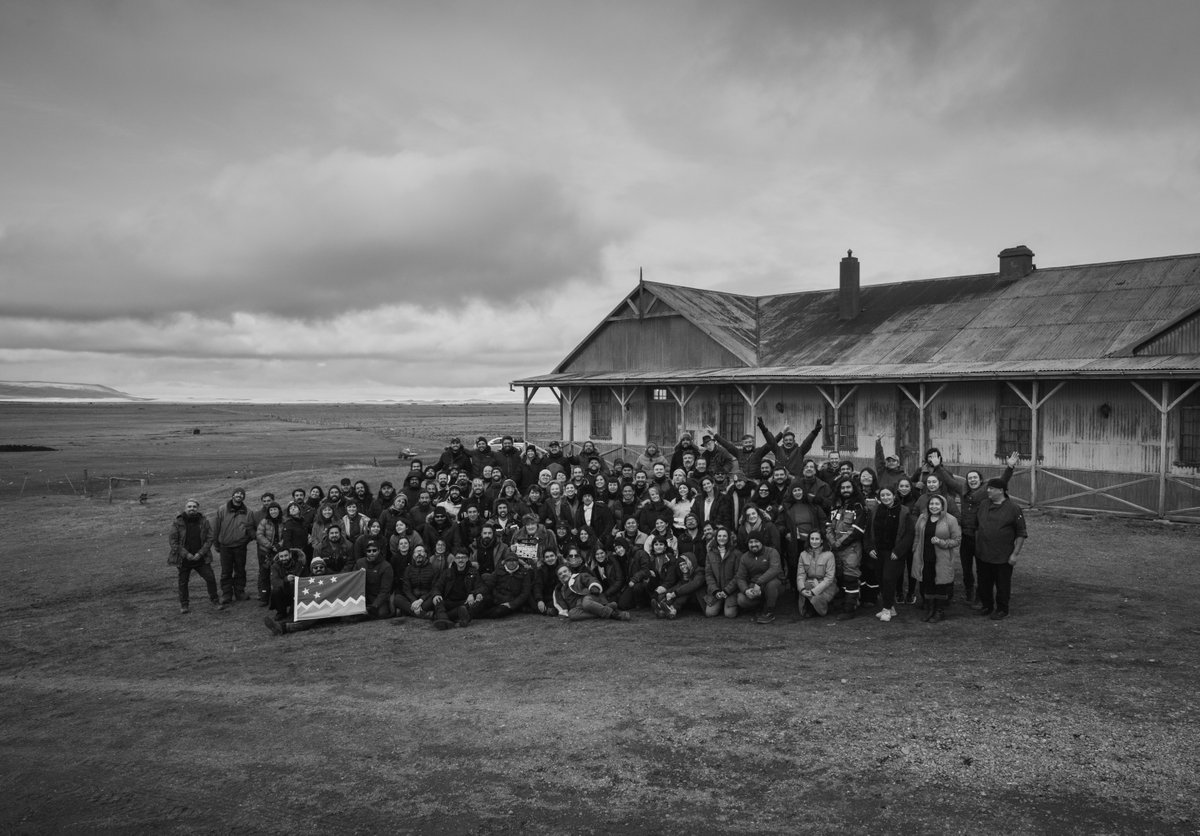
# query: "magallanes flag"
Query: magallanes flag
{"points": [[329, 596]]}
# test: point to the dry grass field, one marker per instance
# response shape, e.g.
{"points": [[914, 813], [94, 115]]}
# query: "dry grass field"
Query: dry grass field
{"points": [[1076, 715]]}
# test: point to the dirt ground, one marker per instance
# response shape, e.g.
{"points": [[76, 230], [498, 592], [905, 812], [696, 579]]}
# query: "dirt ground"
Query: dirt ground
{"points": [[1076, 715]]}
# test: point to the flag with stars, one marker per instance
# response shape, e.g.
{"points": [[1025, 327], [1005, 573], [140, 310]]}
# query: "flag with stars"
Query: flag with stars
{"points": [[329, 596]]}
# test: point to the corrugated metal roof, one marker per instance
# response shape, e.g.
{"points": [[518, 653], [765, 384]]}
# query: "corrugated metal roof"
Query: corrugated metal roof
{"points": [[1082, 319], [1174, 366]]}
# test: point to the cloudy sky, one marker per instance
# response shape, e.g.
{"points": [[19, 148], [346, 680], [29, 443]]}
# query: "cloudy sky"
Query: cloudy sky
{"points": [[294, 199]]}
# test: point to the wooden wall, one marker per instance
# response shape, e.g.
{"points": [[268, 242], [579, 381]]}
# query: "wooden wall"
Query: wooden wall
{"points": [[656, 342], [1080, 442]]}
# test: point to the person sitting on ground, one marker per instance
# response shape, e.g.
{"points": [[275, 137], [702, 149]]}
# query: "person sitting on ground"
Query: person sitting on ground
{"points": [[416, 592], [579, 596], [190, 541], [505, 592], [286, 566], [545, 579], [816, 576], [758, 579], [720, 575], [680, 581], [455, 591], [379, 582]]}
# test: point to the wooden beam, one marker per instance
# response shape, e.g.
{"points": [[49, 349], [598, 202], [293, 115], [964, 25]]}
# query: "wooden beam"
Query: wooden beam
{"points": [[623, 399], [1164, 406]]}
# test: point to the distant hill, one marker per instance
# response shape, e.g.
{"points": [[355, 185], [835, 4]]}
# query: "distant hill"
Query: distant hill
{"points": [[41, 390]]}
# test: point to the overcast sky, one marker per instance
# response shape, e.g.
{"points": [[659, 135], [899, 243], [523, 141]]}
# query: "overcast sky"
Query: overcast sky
{"points": [[282, 199]]}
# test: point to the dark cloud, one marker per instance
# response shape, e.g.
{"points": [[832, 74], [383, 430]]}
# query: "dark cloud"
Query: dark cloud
{"points": [[312, 237]]}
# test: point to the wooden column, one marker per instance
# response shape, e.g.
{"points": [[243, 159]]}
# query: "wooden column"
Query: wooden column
{"points": [[921, 402], [571, 393], [529, 392], [753, 399], [1035, 404], [623, 398], [837, 400], [562, 429], [683, 398], [1164, 406]]}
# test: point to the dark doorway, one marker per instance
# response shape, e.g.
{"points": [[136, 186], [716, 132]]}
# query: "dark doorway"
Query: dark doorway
{"points": [[662, 418]]}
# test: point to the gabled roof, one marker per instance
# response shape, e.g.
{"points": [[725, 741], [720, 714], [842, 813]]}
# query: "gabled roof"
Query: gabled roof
{"points": [[728, 318], [1078, 320]]}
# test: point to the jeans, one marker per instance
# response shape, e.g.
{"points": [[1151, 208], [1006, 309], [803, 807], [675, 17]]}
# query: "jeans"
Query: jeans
{"points": [[203, 570], [233, 570]]}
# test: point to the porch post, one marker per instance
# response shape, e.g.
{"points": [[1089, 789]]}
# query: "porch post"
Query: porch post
{"points": [[1033, 444], [528, 395]]}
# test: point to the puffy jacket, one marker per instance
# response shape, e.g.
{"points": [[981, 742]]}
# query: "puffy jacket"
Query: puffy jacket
{"points": [[514, 589], [946, 555], [720, 573], [758, 569]]}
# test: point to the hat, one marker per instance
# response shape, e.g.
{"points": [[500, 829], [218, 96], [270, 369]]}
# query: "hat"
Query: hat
{"points": [[456, 440], [997, 483], [481, 438], [705, 438], [554, 444], [317, 563], [372, 547], [891, 458]]}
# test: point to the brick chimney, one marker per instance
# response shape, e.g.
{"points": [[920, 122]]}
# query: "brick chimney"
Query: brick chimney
{"points": [[848, 302], [1016, 262]]}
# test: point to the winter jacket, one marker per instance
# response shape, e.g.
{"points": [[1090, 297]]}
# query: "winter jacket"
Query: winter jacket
{"points": [[231, 526], [610, 576], [946, 556], [720, 573], [758, 569], [419, 583], [178, 535], [379, 583], [514, 589]]}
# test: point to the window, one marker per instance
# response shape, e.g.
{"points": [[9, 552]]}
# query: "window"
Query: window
{"points": [[841, 431], [602, 411], [731, 423], [659, 395], [1014, 424], [1189, 430]]}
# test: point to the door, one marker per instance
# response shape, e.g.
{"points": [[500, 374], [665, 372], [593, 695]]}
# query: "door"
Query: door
{"points": [[662, 419], [908, 433]]}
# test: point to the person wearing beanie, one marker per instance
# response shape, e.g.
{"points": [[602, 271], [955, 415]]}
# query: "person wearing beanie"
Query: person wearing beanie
{"points": [[232, 531], [505, 592], [190, 541], [286, 566], [482, 456], [758, 579]]}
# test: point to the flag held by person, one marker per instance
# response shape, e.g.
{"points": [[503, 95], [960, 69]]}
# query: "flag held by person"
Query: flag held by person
{"points": [[330, 596]]}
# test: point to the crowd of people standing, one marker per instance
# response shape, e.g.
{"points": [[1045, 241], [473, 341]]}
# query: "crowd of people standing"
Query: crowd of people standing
{"points": [[718, 527]]}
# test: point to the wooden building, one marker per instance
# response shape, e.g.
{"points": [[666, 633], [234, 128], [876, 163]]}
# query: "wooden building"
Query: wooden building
{"points": [[1093, 367]]}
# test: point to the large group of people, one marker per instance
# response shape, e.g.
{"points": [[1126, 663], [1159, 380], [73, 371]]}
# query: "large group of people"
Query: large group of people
{"points": [[715, 527]]}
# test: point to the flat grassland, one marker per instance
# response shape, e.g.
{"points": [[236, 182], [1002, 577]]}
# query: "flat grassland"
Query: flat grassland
{"points": [[1076, 715]]}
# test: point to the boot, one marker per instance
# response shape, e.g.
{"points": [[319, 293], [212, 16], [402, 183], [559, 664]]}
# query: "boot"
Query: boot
{"points": [[939, 613], [849, 607], [928, 609], [969, 593]]}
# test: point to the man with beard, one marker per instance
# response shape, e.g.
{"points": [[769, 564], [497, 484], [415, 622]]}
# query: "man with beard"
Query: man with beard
{"points": [[190, 541], [758, 579], [505, 591], [232, 532], [509, 458], [454, 592], [788, 454], [335, 550], [488, 551], [847, 524], [454, 456], [482, 456]]}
